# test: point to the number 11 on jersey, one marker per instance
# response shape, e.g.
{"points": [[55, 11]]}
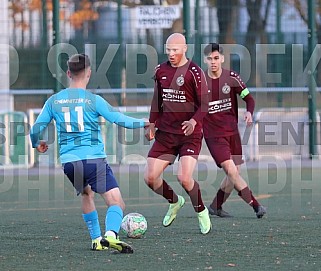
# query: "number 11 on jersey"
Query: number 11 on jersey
{"points": [[80, 118]]}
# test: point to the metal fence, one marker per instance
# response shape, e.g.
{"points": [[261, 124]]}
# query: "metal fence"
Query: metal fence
{"points": [[264, 97], [281, 133]]}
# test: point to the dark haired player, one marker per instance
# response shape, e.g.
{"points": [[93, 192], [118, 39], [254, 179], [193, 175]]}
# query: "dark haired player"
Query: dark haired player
{"points": [[221, 129], [76, 112], [178, 107]]}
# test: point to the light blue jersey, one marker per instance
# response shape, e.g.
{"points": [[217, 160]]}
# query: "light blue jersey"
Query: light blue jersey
{"points": [[76, 113]]}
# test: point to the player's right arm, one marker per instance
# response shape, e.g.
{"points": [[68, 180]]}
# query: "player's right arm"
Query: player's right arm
{"points": [[39, 126], [155, 109]]}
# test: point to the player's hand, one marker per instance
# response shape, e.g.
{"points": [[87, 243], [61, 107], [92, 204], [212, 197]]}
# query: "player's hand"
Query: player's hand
{"points": [[150, 131], [248, 118], [146, 123], [42, 147], [188, 126]]}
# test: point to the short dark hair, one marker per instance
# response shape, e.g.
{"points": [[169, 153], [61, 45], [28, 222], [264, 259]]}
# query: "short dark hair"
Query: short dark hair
{"points": [[212, 47], [77, 63]]}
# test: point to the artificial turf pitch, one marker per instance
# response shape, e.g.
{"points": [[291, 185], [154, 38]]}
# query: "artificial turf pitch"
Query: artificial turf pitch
{"points": [[42, 229]]}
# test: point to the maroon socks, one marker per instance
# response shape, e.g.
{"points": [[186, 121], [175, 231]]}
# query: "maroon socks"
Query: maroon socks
{"points": [[219, 199], [196, 198], [247, 196], [167, 192]]}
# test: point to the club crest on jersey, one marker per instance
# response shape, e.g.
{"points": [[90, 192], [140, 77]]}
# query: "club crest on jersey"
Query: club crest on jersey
{"points": [[180, 80], [226, 89]]}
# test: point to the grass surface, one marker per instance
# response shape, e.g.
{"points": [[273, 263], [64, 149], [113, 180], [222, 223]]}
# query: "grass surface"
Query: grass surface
{"points": [[41, 226]]}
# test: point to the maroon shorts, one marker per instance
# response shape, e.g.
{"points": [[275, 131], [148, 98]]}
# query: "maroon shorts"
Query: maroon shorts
{"points": [[167, 146], [225, 148]]}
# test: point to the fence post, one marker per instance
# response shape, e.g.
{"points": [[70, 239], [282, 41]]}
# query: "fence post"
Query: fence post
{"points": [[311, 79]]}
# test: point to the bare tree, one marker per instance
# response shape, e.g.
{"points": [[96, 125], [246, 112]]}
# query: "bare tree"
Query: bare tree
{"points": [[226, 10], [258, 13], [302, 8]]}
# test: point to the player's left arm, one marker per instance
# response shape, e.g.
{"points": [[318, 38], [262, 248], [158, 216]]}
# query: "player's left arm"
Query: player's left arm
{"points": [[250, 105], [245, 94], [114, 116], [202, 101]]}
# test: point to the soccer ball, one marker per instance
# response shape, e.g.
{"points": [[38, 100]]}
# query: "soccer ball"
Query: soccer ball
{"points": [[134, 225]]}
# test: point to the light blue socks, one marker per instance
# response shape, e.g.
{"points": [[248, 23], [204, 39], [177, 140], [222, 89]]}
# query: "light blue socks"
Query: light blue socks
{"points": [[114, 217], [92, 222]]}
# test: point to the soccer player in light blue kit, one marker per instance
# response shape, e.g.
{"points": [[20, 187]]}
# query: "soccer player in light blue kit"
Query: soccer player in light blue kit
{"points": [[76, 112]]}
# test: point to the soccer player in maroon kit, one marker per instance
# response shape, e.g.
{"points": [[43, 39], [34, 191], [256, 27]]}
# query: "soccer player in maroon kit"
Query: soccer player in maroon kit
{"points": [[179, 105], [221, 129]]}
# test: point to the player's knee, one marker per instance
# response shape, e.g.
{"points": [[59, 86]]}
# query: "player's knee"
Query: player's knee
{"points": [[231, 172], [149, 178], [116, 201], [228, 187], [88, 193], [184, 180]]}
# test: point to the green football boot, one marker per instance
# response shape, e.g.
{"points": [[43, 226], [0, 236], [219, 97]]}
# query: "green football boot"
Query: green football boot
{"points": [[97, 245], [116, 244], [204, 221], [172, 211]]}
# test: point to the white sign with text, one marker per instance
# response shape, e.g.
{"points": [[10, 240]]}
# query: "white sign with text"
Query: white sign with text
{"points": [[156, 16]]}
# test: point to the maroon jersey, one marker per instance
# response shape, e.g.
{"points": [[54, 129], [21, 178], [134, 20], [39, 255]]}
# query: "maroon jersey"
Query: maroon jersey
{"points": [[180, 93], [222, 118]]}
